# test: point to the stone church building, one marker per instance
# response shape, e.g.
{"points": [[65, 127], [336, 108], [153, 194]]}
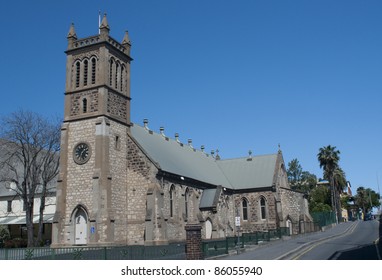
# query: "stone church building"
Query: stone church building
{"points": [[120, 183]]}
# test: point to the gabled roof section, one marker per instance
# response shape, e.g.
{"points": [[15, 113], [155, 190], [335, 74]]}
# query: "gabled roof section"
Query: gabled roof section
{"points": [[183, 160], [250, 173], [177, 158]]}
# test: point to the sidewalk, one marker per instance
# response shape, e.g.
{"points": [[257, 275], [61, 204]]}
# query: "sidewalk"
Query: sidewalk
{"points": [[279, 248]]}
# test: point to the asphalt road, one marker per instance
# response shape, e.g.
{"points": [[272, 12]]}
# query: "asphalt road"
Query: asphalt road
{"points": [[358, 240]]}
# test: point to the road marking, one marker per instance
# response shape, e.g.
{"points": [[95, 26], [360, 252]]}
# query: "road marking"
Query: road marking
{"points": [[349, 231], [376, 243]]}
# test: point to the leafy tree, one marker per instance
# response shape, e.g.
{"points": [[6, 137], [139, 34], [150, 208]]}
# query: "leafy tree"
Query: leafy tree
{"points": [[366, 199], [328, 158], [29, 153], [294, 172], [4, 234], [298, 179], [319, 199]]}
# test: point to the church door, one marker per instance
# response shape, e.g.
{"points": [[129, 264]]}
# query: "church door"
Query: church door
{"points": [[289, 226], [80, 228]]}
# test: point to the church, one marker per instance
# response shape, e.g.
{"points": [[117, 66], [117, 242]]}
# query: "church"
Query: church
{"points": [[121, 183]]}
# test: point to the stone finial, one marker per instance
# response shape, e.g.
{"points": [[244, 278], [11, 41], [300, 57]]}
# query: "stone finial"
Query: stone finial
{"points": [[72, 32], [72, 36], [126, 39], [104, 28], [126, 43]]}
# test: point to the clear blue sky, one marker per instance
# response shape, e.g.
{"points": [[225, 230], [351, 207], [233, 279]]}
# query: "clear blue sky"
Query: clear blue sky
{"points": [[231, 75]]}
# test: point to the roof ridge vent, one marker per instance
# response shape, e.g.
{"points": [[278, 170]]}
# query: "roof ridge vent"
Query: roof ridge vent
{"points": [[249, 155], [190, 143], [146, 124], [161, 129], [177, 137]]}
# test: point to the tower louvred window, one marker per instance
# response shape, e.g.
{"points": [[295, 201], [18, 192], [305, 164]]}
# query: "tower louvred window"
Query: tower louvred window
{"points": [[93, 70], [86, 72], [78, 69]]}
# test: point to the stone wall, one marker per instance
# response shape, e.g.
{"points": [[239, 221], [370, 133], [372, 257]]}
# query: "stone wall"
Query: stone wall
{"points": [[294, 208], [118, 171], [141, 177], [254, 221]]}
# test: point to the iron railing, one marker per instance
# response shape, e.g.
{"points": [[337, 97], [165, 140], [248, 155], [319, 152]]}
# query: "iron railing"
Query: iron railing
{"points": [[160, 252], [216, 247]]}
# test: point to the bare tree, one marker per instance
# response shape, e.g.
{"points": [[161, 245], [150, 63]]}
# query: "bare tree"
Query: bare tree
{"points": [[29, 158]]}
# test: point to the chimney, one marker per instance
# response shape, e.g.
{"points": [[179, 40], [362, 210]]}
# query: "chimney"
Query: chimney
{"points": [[202, 148], [212, 153]]}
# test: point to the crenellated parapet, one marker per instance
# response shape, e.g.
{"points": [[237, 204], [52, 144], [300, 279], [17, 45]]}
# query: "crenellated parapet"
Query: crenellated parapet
{"points": [[103, 36]]}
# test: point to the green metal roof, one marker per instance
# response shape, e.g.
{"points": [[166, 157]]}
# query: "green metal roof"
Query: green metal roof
{"points": [[183, 160]]}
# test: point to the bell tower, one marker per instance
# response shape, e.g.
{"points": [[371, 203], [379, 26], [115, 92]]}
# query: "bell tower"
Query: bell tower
{"points": [[93, 137]]}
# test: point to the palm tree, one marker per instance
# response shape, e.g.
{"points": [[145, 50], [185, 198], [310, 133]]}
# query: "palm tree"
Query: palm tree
{"points": [[339, 183], [328, 158]]}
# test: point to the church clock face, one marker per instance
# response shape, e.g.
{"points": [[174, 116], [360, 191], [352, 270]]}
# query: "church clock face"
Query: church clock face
{"points": [[81, 153]]}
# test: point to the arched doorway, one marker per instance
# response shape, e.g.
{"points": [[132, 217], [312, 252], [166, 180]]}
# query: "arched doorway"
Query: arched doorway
{"points": [[80, 227], [289, 226]]}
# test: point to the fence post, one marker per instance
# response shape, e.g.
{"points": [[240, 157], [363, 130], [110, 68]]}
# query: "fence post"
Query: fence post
{"points": [[104, 253], [194, 242], [53, 254]]}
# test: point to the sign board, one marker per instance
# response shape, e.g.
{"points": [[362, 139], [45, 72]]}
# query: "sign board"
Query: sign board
{"points": [[237, 221], [92, 230]]}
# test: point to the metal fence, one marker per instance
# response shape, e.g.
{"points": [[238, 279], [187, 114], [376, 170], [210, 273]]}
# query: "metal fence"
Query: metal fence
{"points": [[159, 252], [324, 218], [211, 248]]}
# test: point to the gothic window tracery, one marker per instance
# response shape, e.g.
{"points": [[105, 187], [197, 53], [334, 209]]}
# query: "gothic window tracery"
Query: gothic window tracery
{"points": [[244, 208], [263, 208]]}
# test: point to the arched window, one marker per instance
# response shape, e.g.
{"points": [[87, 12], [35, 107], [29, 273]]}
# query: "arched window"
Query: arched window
{"points": [[172, 194], [263, 208], [111, 72], [93, 70], [244, 207], [122, 77], [117, 75], [186, 203], [86, 68], [78, 69], [84, 105]]}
